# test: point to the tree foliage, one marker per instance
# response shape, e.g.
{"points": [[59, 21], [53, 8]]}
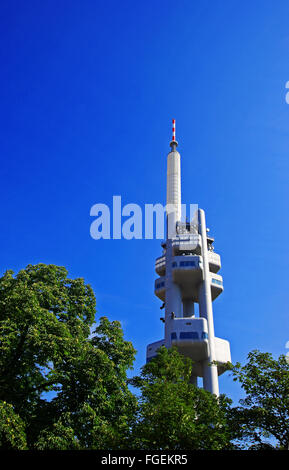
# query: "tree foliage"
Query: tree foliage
{"points": [[12, 429], [50, 343], [173, 413], [264, 412]]}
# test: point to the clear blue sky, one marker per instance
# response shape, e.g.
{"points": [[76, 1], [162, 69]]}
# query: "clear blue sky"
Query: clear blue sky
{"points": [[88, 91]]}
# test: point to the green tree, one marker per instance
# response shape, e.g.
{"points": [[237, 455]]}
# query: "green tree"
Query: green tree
{"points": [[264, 412], [50, 343], [173, 413], [12, 429]]}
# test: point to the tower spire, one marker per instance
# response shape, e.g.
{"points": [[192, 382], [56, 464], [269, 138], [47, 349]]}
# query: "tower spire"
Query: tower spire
{"points": [[174, 206], [174, 129], [173, 142]]}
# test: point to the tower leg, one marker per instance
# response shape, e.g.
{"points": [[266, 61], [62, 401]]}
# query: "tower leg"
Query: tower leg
{"points": [[173, 306], [188, 308], [210, 378], [194, 380], [210, 371]]}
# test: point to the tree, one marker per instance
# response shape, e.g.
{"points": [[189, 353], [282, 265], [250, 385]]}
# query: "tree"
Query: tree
{"points": [[12, 431], [264, 412], [50, 343], [174, 414]]}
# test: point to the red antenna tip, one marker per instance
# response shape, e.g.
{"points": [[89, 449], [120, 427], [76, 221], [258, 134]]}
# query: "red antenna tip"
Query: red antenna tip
{"points": [[174, 130]]}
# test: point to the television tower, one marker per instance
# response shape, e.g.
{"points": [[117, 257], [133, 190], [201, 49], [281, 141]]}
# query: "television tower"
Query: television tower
{"points": [[188, 278]]}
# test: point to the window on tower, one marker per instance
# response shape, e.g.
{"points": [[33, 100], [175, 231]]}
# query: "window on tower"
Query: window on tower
{"points": [[189, 335]]}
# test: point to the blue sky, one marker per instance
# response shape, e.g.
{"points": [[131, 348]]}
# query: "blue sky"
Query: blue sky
{"points": [[88, 91]]}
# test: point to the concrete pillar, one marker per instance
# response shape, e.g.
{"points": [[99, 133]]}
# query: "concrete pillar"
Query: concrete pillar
{"points": [[188, 308], [173, 296], [210, 378], [194, 380]]}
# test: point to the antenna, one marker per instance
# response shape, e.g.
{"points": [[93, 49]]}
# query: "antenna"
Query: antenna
{"points": [[173, 142]]}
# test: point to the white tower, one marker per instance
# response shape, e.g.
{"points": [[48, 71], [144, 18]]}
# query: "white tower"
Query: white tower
{"points": [[187, 273]]}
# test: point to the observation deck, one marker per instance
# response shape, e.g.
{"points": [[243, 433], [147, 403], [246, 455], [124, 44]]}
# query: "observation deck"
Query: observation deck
{"points": [[190, 337], [189, 277], [214, 261]]}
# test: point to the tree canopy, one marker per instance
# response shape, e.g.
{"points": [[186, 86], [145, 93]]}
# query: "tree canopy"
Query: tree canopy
{"points": [[264, 412], [50, 343], [173, 413]]}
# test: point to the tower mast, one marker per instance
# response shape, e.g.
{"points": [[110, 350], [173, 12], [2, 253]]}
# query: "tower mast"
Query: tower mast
{"points": [[174, 205]]}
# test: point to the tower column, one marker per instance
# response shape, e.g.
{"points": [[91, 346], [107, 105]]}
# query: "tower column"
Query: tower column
{"points": [[173, 296], [188, 308], [211, 381], [194, 380]]}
